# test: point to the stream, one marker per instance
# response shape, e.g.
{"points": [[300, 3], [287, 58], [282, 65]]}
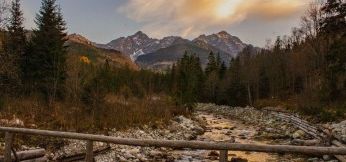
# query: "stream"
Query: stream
{"points": [[220, 129], [210, 124]]}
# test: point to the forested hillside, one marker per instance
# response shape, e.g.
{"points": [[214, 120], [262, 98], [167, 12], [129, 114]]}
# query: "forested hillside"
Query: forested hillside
{"points": [[55, 81], [305, 71], [79, 48]]}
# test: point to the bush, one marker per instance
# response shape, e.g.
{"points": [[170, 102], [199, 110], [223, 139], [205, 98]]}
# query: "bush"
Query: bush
{"points": [[2, 103], [288, 104], [312, 105]]}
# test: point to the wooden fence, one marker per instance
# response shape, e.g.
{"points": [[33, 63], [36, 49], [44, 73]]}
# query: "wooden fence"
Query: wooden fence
{"points": [[222, 147]]}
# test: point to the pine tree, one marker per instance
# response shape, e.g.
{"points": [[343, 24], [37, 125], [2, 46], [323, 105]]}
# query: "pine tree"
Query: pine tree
{"points": [[334, 28], [16, 40], [222, 70], [212, 64], [46, 60], [218, 60], [189, 78], [236, 90], [14, 47], [334, 22]]}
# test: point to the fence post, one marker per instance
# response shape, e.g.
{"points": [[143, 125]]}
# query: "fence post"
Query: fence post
{"points": [[89, 152], [223, 156], [8, 146]]}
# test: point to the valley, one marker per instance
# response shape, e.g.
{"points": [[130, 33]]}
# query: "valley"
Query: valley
{"points": [[229, 76]]}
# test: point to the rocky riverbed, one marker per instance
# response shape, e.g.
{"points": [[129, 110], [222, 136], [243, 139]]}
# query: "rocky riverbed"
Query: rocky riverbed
{"points": [[208, 123], [179, 128]]}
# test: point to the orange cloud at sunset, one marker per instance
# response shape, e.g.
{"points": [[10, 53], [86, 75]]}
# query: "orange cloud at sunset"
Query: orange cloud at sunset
{"points": [[189, 18]]}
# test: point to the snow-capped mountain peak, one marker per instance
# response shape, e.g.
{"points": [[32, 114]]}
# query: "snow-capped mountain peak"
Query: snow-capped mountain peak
{"points": [[140, 44]]}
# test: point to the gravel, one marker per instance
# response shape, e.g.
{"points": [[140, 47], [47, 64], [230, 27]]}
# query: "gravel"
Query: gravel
{"points": [[179, 128]]}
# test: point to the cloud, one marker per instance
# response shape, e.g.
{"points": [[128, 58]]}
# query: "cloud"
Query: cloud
{"points": [[190, 18]]}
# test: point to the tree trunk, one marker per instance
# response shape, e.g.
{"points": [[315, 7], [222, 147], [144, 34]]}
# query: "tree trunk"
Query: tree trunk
{"points": [[249, 94]]}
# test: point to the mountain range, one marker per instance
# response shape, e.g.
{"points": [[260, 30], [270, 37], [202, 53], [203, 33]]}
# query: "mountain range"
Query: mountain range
{"points": [[161, 53]]}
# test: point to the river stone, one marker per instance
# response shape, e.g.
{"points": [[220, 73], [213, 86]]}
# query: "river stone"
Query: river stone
{"points": [[299, 134], [313, 160], [326, 157], [236, 159], [134, 151], [213, 153]]}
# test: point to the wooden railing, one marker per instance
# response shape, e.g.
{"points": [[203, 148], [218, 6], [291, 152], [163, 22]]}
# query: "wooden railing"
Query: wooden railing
{"points": [[222, 147]]}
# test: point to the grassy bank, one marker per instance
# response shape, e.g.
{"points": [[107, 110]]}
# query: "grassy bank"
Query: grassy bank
{"points": [[316, 110], [116, 112]]}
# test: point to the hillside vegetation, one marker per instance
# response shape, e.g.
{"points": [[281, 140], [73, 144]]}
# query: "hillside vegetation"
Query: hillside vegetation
{"points": [[80, 46], [305, 71], [64, 82]]}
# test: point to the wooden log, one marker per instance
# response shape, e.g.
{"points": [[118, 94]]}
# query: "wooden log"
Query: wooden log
{"points": [[306, 142], [338, 144], [41, 159], [303, 125], [340, 158], [298, 121], [25, 155], [223, 156], [8, 146], [81, 156], [89, 157], [184, 144]]}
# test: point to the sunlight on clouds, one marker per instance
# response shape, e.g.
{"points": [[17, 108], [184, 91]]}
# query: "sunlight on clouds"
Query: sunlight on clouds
{"points": [[190, 18], [227, 8]]}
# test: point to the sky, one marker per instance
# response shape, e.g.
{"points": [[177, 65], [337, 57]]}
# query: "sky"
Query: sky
{"points": [[253, 21]]}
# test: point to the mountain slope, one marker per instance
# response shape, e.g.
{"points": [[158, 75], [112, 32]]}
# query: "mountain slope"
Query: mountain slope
{"points": [[222, 41], [140, 44], [80, 46], [165, 57], [149, 52]]}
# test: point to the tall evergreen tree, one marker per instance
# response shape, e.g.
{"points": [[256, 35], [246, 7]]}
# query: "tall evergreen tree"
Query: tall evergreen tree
{"points": [[334, 28], [189, 77], [222, 70], [334, 22], [212, 64], [218, 60], [236, 90], [14, 47], [46, 62], [16, 40]]}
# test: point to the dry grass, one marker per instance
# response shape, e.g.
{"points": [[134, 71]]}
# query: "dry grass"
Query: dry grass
{"points": [[116, 112], [288, 104], [310, 107]]}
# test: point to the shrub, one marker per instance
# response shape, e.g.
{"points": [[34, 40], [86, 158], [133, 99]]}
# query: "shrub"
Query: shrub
{"points": [[2, 103]]}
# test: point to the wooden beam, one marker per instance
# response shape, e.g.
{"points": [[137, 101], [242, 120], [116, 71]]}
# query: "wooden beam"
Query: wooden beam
{"points": [[223, 156], [41, 159], [26, 155], [89, 157], [8, 146], [184, 144], [81, 156]]}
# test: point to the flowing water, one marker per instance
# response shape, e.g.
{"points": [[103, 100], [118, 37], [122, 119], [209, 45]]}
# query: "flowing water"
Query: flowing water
{"points": [[220, 129]]}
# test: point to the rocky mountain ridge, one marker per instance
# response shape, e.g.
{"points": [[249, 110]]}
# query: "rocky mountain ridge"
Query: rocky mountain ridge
{"points": [[161, 53]]}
